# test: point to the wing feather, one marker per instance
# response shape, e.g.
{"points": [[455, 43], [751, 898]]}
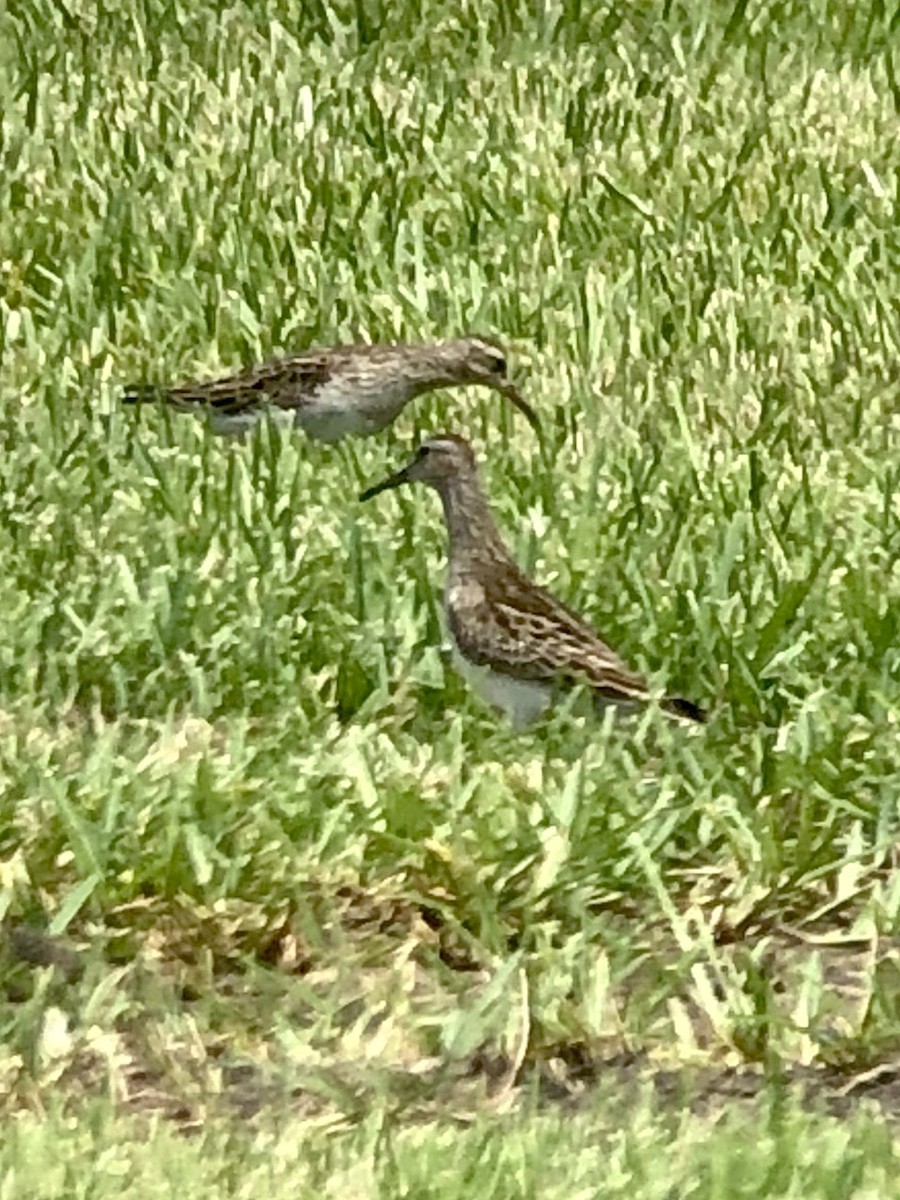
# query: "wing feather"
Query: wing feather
{"points": [[512, 625], [285, 382]]}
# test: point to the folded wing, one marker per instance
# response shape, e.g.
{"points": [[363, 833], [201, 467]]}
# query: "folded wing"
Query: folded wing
{"points": [[522, 631]]}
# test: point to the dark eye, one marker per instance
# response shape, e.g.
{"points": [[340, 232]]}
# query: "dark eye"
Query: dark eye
{"points": [[498, 366], [424, 451]]}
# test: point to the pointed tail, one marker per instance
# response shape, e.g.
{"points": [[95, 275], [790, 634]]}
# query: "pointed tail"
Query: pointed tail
{"points": [[679, 707], [143, 393]]}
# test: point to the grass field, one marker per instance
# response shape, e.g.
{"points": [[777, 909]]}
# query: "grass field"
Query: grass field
{"points": [[268, 873]]}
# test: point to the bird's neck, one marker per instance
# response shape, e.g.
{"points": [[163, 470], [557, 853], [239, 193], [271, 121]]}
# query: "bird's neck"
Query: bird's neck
{"points": [[428, 374], [471, 527]]}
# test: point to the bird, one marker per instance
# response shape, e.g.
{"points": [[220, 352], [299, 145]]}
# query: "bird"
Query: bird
{"points": [[514, 642], [336, 391]]}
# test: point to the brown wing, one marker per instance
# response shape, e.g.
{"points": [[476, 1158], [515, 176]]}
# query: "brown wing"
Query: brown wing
{"points": [[286, 382], [516, 627]]}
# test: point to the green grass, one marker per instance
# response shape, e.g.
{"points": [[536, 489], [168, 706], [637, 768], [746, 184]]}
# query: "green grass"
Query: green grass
{"points": [[286, 852], [499, 1157]]}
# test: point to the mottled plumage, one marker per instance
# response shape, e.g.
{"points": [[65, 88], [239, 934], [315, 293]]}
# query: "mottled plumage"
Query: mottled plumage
{"points": [[343, 390], [516, 642]]}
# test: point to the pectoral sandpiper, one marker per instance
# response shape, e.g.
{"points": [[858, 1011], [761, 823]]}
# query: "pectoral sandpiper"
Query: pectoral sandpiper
{"points": [[342, 390], [516, 644]]}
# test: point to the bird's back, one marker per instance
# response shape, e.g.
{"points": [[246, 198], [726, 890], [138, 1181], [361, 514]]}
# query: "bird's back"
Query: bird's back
{"points": [[501, 618]]}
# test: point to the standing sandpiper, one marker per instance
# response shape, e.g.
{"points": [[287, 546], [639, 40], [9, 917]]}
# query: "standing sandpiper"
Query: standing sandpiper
{"points": [[515, 643], [342, 390]]}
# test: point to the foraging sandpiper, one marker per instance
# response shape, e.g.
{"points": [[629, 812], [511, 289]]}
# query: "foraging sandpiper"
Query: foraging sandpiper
{"points": [[342, 390], [515, 643]]}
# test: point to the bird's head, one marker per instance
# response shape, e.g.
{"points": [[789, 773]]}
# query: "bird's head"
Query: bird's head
{"points": [[481, 360], [441, 458]]}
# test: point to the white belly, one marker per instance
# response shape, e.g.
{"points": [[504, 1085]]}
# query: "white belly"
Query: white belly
{"points": [[338, 410], [522, 701], [326, 425], [330, 426]]}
